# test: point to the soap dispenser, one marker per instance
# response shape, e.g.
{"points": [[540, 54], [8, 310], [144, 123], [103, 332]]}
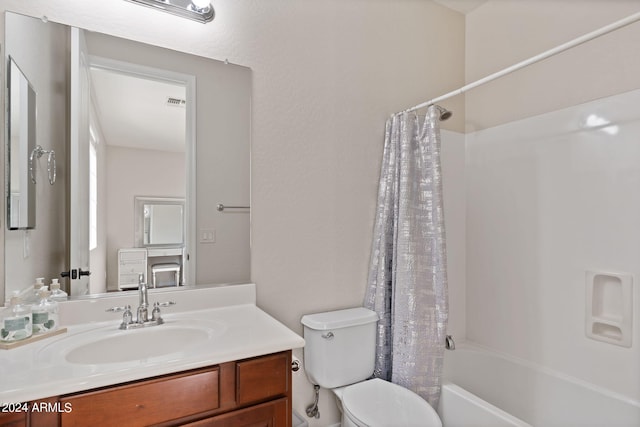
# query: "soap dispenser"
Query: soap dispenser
{"points": [[33, 296], [16, 323], [57, 294], [45, 313]]}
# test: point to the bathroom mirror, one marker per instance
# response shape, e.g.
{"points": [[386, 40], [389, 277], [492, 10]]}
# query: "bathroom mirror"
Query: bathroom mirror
{"points": [[160, 221], [21, 143], [217, 93]]}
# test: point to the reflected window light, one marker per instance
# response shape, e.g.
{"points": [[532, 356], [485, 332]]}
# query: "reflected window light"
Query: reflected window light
{"points": [[595, 122]]}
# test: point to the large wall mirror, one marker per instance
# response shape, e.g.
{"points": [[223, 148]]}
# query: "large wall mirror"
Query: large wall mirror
{"points": [[134, 127]]}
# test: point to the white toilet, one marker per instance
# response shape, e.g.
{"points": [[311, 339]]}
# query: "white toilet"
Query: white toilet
{"points": [[339, 354]]}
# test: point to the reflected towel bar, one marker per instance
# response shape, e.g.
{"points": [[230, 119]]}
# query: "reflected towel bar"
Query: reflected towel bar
{"points": [[222, 207], [51, 163]]}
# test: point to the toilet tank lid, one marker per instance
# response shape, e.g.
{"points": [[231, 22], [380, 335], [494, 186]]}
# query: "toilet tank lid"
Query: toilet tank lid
{"points": [[339, 318]]}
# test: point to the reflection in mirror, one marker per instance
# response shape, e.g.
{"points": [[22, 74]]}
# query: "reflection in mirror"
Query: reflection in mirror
{"points": [[159, 221], [21, 137], [147, 155], [162, 225], [219, 130]]}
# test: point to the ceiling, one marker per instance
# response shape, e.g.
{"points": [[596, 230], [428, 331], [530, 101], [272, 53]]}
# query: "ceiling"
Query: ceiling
{"points": [[462, 6], [134, 112]]}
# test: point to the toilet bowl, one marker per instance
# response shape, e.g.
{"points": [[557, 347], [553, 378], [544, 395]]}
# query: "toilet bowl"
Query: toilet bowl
{"points": [[378, 403], [339, 355]]}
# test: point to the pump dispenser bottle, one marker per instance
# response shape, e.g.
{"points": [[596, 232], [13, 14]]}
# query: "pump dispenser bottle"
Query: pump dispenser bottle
{"points": [[34, 296], [57, 294], [16, 323], [45, 313]]}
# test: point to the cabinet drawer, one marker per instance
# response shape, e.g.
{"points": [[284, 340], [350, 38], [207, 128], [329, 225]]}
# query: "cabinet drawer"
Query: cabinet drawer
{"points": [[270, 414], [263, 378], [146, 402]]}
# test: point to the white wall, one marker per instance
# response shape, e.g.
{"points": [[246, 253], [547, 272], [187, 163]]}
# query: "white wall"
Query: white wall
{"points": [[502, 33], [326, 75], [134, 172], [547, 200]]}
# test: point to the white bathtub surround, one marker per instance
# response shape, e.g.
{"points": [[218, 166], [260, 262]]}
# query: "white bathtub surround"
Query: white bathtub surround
{"points": [[407, 283], [528, 393], [550, 198], [237, 329]]}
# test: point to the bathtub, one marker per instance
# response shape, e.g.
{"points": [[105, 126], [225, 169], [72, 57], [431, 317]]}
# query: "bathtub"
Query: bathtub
{"points": [[486, 389]]}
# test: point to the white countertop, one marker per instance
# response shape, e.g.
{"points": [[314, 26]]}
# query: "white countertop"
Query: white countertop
{"points": [[238, 330]]}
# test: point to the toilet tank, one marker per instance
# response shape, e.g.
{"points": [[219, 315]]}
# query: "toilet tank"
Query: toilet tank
{"points": [[340, 346]]}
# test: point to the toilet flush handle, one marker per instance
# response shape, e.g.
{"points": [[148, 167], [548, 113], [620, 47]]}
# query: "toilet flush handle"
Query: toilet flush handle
{"points": [[327, 336]]}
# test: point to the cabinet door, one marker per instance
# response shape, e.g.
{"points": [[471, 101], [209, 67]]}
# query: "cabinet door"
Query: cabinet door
{"points": [[13, 419], [263, 378], [270, 414]]}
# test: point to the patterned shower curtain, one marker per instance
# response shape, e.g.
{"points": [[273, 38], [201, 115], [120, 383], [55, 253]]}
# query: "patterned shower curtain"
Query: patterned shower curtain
{"points": [[407, 283]]}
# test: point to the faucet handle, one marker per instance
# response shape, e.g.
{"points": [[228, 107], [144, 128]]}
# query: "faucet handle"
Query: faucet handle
{"points": [[155, 314], [164, 303], [118, 309], [127, 316]]}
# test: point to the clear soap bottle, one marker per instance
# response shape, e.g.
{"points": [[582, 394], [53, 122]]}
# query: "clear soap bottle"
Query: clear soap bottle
{"points": [[45, 313], [33, 296], [16, 321], [57, 294]]}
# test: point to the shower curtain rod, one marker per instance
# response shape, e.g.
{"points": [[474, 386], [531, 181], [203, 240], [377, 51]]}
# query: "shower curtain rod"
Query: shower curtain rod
{"points": [[544, 55]]}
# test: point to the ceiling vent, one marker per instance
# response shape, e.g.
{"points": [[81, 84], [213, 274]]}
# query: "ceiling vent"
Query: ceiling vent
{"points": [[176, 102]]}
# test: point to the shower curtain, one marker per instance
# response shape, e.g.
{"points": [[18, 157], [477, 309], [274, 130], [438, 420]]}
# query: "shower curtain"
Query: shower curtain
{"points": [[407, 283]]}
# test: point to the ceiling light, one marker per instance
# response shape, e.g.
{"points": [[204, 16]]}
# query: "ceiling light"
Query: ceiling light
{"points": [[198, 10]]}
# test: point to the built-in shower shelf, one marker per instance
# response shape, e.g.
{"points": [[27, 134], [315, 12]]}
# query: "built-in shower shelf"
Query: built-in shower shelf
{"points": [[609, 307], [606, 330], [611, 321]]}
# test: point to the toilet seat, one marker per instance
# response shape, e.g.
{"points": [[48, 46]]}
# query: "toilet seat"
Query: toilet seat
{"points": [[379, 403]]}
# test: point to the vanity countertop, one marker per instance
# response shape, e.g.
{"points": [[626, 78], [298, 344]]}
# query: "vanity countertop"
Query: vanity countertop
{"points": [[238, 330]]}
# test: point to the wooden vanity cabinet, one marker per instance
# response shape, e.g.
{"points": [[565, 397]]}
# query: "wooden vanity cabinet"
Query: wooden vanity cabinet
{"points": [[13, 419], [251, 392]]}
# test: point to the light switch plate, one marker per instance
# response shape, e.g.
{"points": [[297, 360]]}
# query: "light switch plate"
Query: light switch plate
{"points": [[207, 236]]}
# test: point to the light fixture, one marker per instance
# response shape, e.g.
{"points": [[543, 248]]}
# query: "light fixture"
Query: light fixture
{"points": [[198, 10]]}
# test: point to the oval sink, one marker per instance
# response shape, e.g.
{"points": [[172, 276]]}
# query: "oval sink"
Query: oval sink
{"points": [[138, 344]]}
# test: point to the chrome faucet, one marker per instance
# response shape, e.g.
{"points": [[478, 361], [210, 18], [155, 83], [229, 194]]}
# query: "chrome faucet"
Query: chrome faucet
{"points": [[143, 309]]}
